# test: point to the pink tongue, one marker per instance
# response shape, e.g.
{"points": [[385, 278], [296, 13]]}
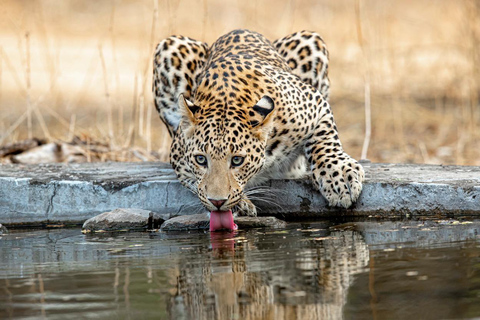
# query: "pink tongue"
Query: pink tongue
{"points": [[222, 220]]}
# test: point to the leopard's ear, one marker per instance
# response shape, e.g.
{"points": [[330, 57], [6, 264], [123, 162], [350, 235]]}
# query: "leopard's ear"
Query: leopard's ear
{"points": [[187, 110], [261, 117]]}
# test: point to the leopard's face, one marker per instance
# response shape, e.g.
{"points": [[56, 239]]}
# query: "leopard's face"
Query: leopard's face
{"points": [[222, 161], [223, 152]]}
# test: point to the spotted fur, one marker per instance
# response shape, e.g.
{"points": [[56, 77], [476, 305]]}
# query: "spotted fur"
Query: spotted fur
{"points": [[246, 98]]}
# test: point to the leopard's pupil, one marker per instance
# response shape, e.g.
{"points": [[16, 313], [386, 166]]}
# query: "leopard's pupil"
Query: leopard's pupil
{"points": [[200, 159], [237, 160]]}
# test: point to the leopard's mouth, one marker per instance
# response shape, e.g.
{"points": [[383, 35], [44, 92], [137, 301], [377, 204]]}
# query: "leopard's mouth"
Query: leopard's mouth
{"points": [[222, 220]]}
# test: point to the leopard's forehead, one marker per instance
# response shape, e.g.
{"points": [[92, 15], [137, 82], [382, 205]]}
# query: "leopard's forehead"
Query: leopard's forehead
{"points": [[225, 102], [221, 137]]}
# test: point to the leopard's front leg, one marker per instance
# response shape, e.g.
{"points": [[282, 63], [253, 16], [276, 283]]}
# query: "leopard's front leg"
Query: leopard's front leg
{"points": [[338, 176]]}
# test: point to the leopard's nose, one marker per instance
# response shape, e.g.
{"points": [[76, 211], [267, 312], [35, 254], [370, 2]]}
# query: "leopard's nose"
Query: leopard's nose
{"points": [[217, 203]]}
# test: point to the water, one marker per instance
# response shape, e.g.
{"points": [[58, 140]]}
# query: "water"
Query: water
{"points": [[362, 270]]}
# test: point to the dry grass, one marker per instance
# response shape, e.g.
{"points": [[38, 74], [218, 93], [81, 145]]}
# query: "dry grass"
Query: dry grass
{"points": [[83, 68]]}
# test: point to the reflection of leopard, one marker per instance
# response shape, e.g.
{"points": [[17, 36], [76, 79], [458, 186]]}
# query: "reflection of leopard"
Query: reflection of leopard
{"points": [[313, 284], [246, 110]]}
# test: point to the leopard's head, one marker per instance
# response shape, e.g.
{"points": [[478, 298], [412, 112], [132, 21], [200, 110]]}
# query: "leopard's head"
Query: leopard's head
{"points": [[224, 147]]}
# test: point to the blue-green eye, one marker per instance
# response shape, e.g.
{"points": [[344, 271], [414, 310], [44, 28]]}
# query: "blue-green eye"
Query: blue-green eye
{"points": [[237, 161], [201, 160]]}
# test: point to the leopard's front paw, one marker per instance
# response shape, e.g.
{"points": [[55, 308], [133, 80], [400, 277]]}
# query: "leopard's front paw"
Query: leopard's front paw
{"points": [[339, 180], [246, 208]]}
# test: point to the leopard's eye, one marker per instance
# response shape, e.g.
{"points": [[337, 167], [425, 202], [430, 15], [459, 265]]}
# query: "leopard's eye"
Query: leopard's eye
{"points": [[237, 161], [201, 160]]}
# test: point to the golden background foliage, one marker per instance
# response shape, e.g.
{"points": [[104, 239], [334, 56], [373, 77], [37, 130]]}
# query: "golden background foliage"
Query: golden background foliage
{"points": [[83, 68]]}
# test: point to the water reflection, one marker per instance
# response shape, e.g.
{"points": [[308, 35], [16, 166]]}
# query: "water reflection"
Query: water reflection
{"points": [[270, 276], [309, 271]]}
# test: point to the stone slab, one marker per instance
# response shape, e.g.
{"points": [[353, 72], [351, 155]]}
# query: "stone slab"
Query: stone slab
{"points": [[73, 193], [124, 219], [202, 222]]}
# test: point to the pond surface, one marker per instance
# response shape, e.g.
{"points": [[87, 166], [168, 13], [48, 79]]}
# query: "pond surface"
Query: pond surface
{"points": [[361, 270]]}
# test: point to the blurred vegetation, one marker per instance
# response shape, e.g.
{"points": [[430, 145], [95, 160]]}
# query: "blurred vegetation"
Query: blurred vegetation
{"points": [[75, 69]]}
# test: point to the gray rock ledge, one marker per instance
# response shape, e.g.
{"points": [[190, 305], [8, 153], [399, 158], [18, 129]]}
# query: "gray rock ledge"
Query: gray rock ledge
{"points": [[73, 193]]}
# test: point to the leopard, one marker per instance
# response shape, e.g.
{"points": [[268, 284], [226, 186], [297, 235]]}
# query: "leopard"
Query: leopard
{"points": [[245, 110]]}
